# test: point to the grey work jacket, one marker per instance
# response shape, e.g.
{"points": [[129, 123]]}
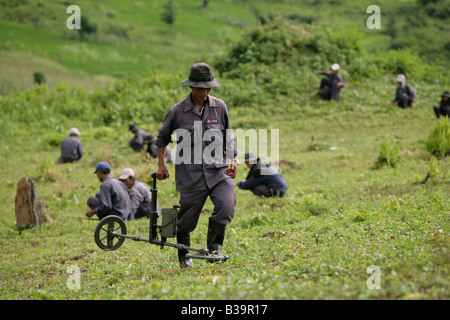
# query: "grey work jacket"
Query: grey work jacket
{"points": [[334, 80], [114, 195], [141, 200], [137, 143], [71, 149], [205, 168]]}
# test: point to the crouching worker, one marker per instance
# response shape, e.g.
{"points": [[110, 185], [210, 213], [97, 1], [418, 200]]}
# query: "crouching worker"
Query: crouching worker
{"points": [[443, 109], [263, 179], [113, 198], [144, 140], [71, 147], [331, 86], [140, 195], [404, 94]]}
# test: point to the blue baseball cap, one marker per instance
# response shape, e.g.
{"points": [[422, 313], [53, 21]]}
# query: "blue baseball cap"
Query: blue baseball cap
{"points": [[103, 167]]}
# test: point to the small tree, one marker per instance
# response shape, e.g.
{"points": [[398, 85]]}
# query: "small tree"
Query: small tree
{"points": [[168, 15], [86, 27], [39, 78]]}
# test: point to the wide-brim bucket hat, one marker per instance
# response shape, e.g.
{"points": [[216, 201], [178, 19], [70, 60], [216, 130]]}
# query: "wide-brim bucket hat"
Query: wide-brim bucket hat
{"points": [[200, 77]]}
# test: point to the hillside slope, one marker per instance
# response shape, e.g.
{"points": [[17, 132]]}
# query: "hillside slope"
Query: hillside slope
{"points": [[129, 41], [132, 39]]}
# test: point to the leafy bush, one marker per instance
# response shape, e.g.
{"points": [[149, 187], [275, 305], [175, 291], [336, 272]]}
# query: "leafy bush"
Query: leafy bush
{"points": [[436, 8], [87, 28], [146, 100], [401, 62], [39, 78], [389, 153], [438, 142], [293, 46], [315, 204]]}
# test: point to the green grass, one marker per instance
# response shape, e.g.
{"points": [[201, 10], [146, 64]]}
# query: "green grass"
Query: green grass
{"points": [[340, 216], [341, 213], [131, 41]]}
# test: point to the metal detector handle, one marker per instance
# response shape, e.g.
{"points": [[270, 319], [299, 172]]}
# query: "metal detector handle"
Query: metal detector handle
{"points": [[153, 212], [154, 192], [153, 209], [154, 178]]}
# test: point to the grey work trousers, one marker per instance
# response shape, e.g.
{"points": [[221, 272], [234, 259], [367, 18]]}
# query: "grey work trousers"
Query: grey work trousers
{"points": [[328, 90], [222, 196], [405, 101], [94, 203], [261, 190]]}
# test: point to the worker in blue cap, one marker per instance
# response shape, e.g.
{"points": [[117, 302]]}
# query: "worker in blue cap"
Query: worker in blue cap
{"points": [[113, 198]]}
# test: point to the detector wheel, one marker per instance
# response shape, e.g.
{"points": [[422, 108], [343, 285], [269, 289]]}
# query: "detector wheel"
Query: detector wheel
{"points": [[107, 233]]}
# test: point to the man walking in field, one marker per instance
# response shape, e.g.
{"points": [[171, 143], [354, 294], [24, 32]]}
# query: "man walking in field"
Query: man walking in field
{"points": [[200, 121]]}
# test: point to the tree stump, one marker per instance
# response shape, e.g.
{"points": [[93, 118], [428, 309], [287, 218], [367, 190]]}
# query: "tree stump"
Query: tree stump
{"points": [[29, 210]]}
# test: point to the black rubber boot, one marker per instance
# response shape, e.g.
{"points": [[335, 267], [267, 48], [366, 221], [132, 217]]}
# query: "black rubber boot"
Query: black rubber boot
{"points": [[216, 235], [184, 238]]}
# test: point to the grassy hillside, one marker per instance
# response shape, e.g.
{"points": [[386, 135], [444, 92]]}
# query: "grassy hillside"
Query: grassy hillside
{"points": [[131, 39], [418, 25], [363, 189]]}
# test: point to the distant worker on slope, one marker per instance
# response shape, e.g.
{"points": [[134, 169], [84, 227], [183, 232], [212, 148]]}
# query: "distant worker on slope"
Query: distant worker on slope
{"points": [[443, 109], [331, 86], [263, 179], [71, 147], [143, 139], [404, 94]]}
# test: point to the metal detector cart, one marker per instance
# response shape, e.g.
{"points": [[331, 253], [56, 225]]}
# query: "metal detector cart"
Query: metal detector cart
{"points": [[111, 231]]}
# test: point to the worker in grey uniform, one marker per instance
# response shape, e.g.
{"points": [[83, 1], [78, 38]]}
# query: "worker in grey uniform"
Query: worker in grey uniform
{"points": [[113, 198], [331, 86], [404, 93], [443, 109], [144, 140], [140, 195], [138, 141], [71, 147], [200, 122]]}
